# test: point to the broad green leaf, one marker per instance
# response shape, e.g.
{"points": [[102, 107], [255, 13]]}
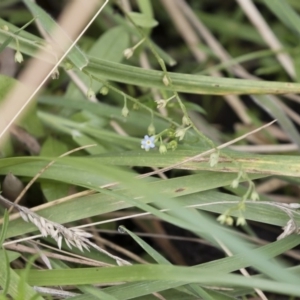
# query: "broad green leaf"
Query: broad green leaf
{"points": [[142, 20], [132, 30], [53, 190], [31, 123], [146, 7], [53, 147], [110, 45], [83, 140], [12, 255]]}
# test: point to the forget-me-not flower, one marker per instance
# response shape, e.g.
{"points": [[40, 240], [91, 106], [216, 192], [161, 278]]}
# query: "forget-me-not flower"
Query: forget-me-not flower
{"points": [[148, 142]]}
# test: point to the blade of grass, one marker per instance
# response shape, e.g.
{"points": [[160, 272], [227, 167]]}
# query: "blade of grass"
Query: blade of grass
{"points": [[14, 280], [77, 57], [151, 272], [272, 107], [195, 84], [16, 33], [4, 228], [161, 260]]}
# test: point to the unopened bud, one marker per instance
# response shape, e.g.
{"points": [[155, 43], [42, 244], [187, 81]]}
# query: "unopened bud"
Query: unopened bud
{"points": [[18, 56], [151, 129], [125, 111], [166, 81], [128, 53], [104, 90]]}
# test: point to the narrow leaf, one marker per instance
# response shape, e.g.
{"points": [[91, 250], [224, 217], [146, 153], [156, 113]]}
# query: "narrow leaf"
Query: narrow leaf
{"points": [[77, 57]]}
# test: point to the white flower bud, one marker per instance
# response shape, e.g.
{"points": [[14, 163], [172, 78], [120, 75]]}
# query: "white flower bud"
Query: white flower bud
{"points": [[18, 56], [151, 129], [240, 221], [161, 103], [128, 53], [125, 111], [166, 81], [162, 149], [186, 121], [254, 196], [55, 74], [222, 219], [104, 90], [229, 221], [180, 133], [90, 93], [235, 183]]}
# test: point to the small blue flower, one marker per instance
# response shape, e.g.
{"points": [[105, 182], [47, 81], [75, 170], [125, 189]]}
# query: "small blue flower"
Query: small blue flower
{"points": [[148, 142]]}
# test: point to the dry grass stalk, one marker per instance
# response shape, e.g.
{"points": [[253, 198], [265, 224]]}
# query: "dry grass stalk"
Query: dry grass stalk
{"points": [[72, 236]]}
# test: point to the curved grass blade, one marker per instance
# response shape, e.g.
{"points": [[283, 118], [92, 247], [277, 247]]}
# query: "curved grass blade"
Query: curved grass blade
{"points": [[284, 11], [273, 108], [76, 56]]}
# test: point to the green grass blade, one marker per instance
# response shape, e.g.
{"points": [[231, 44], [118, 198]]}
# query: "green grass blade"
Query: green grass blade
{"points": [[151, 272], [76, 56], [97, 293], [5, 287], [16, 33], [285, 12], [272, 107], [151, 251], [14, 281], [194, 84], [4, 228], [161, 260], [28, 43]]}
